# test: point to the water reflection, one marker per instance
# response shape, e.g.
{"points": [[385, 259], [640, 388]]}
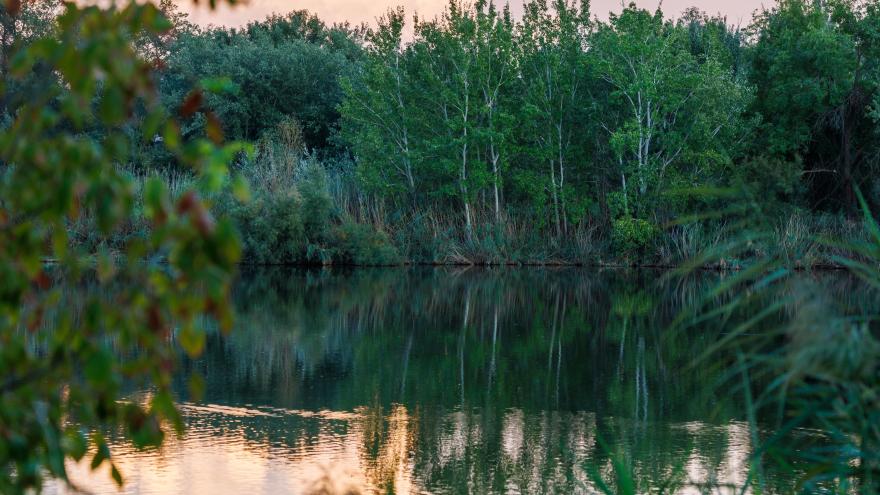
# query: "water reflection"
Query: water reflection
{"points": [[453, 381]]}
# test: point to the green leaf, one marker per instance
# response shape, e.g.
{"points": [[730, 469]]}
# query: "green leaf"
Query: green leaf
{"points": [[171, 135], [192, 339], [106, 267], [196, 387], [219, 85], [241, 189], [162, 405], [152, 123], [117, 476], [74, 443], [155, 198], [113, 105], [101, 455], [99, 367]]}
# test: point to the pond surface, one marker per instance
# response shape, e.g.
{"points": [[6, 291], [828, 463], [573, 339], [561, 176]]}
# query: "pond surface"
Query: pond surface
{"points": [[453, 381]]}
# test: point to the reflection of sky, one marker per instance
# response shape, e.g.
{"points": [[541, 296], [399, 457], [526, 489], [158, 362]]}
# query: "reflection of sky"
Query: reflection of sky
{"points": [[371, 449], [358, 11]]}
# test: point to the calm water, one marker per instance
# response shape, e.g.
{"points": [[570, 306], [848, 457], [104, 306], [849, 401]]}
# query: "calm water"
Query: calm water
{"points": [[452, 381]]}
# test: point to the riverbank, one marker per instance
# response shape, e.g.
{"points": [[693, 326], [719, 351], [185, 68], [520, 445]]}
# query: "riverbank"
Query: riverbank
{"points": [[309, 216]]}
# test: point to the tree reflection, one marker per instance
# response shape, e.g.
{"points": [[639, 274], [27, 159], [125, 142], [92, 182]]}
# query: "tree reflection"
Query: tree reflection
{"points": [[462, 380]]}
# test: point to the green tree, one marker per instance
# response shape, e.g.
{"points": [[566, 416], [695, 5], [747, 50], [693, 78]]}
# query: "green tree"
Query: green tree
{"points": [[447, 73], [283, 67], [673, 118], [379, 112], [551, 44], [496, 71], [814, 67], [61, 382], [19, 26], [459, 68]]}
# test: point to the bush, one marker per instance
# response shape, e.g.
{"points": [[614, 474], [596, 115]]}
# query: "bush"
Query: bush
{"points": [[317, 205], [631, 235], [293, 218], [360, 244], [271, 229]]}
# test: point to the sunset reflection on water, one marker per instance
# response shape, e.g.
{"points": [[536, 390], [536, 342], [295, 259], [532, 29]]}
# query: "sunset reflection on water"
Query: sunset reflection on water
{"points": [[229, 450], [433, 381]]}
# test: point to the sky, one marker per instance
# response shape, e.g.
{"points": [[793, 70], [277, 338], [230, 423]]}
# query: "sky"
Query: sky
{"points": [[357, 11]]}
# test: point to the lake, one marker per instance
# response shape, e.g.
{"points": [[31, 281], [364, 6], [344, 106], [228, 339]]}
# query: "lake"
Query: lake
{"points": [[454, 380]]}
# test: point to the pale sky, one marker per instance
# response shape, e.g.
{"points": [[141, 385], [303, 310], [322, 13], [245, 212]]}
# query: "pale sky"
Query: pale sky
{"points": [[357, 11]]}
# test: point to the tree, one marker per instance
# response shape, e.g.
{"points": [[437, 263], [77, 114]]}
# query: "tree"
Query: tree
{"points": [[19, 27], [379, 116], [551, 48], [496, 71], [814, 67], [156, 47], [284, 67], [459, 68], [673, 118], [446, 55], [61, 379]]}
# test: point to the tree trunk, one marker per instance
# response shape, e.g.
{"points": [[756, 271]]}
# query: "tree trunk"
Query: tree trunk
{"points": [[469, 228], [847, 165], [497, 173], [553, 191], [562, 179], [496, 191]]}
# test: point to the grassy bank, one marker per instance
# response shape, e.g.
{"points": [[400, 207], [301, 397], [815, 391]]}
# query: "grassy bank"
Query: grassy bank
{"points": [[305, 212]]}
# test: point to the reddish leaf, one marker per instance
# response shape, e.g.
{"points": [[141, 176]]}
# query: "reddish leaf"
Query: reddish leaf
{"points": [[213, 128], [187, 202], [191, 104], [42, 280], [36, 320], [154, 319], [13, 7], [204, 220]]}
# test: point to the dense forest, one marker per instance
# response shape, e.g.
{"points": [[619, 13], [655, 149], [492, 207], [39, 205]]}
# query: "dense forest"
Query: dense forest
{"points": [[481, 137]]}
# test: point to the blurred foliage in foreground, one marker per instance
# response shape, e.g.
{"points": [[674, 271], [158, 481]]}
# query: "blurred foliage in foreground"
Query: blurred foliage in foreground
{"points": [[60, 156], [816, 358]]}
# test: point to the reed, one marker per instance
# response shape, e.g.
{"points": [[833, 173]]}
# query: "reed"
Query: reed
{"points": [[819, 359], [307, 210]]}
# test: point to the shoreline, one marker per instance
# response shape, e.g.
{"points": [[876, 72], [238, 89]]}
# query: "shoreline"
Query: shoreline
{"points": [[715, 267], [824, 267]]}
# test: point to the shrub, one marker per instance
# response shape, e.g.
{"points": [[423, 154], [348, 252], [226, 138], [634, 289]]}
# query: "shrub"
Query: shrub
{"points": [[317, 205], [617, 204], [361, 244], [271, 229], [630, 235]]}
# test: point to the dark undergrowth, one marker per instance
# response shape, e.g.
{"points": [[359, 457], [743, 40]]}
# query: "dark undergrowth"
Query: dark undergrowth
{"points": [[302, 213]]}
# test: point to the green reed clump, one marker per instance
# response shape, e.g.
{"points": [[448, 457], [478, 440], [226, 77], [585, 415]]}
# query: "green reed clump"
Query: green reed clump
{"points": [[271, 229], [359, 244], [293, 216], [83, 230], [817, 358]]}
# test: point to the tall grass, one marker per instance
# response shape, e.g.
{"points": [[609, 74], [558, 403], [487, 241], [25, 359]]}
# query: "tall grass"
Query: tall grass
{"points": [[83, 230], [819, 357], [302, 211]]}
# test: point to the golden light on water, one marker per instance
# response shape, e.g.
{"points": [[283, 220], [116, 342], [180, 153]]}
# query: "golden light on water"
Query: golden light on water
{"points": [[371, 450]]}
